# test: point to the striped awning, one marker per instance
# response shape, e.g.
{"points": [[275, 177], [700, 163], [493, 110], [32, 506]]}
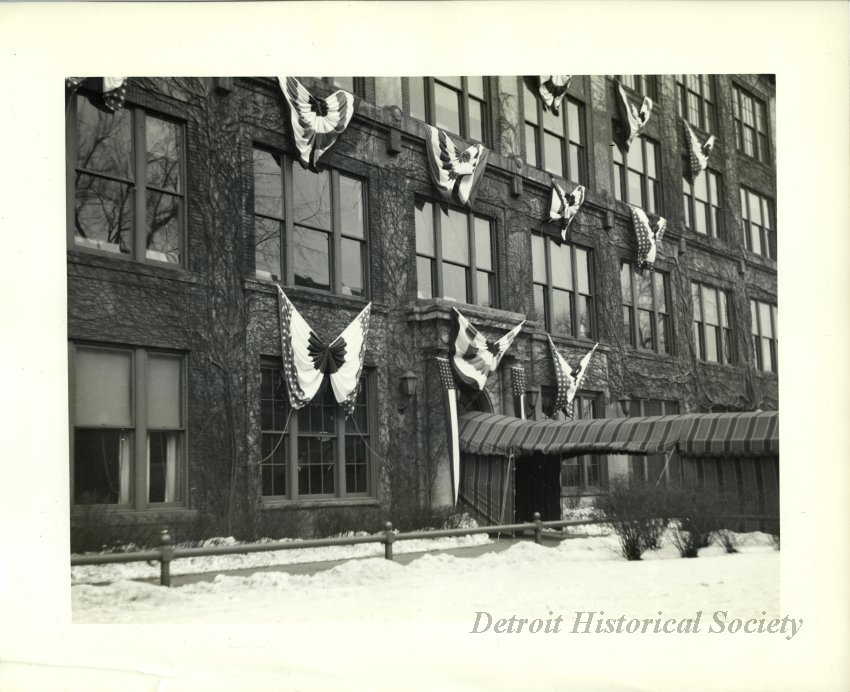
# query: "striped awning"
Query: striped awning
{"points": [[694, 434]]}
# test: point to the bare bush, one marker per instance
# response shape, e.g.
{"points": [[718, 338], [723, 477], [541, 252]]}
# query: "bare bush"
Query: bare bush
{"points": [[637, 513]]}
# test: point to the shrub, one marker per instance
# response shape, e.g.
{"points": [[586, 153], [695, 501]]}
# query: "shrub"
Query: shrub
{"points": [[728, 539], [700, 512], [637, 512]]}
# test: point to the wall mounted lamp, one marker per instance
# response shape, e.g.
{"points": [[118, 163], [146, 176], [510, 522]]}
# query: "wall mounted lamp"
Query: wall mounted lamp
{"points": [[625, 405], [532, 395], [406, 389]]}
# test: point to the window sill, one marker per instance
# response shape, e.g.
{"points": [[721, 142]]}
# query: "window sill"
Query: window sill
{"points": [[332, 300], [564, 340], [650, 355], [425, 309], [127, 265], [271, 504], [150, 515]]}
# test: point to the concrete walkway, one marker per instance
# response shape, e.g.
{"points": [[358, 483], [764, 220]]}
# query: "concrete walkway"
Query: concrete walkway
{"points": [[312, 567]]}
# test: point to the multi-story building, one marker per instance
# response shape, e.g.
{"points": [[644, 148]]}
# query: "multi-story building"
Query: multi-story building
{"points": [[187, 208]]}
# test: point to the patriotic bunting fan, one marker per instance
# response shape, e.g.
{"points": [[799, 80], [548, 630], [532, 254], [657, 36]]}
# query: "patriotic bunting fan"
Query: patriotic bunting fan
{"points": [[565, 206], [475, 356], [307, 359], [316, 122], [552, 89], [648, 239], [114, 90], [569, 379], [632, 120], [697, 153], [453, 171]]}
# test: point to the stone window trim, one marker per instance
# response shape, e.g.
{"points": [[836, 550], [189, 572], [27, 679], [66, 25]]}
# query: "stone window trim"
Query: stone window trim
{"points": [[548, 286], [142, 189], [422, 104], [642, 164], [338, 237], [713, 335], [758, 223], [571, 140], [144, 412], [710, 208], [433, 262], [277, 447], [696, 98], [658, 313], [752, 127]]}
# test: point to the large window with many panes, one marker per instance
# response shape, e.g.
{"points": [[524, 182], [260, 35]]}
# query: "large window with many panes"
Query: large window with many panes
{"points": [[695, 100], [555, 143], [765, 335], [588, 472], [562, 278], [127, 193], [637, 175], [712, 323], [646, 312], [701, 199], [655, 469], [455, 104], [751, 134], [309, 228], [127, 427], [454, 255], [757, 222], [315, 452]]}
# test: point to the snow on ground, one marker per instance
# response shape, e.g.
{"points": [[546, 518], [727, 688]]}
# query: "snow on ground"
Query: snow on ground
{"points": [[529, 580], [89, 574]]}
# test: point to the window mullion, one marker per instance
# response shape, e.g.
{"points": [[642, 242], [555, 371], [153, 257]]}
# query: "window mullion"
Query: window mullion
{"points": [[287, 253], [140, 446], [336, 238], [140, 198], [339, 460], [438, 247], [292, 455], [71, 166], [472, 273]]}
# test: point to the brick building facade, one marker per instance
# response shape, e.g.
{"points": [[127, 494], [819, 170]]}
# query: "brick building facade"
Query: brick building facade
{"points": [[178, 413]]}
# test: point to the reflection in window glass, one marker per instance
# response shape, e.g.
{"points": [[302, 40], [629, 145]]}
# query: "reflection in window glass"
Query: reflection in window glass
{"points": [[312, 258]]}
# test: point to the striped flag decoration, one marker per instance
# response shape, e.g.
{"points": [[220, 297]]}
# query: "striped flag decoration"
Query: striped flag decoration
{"points": [[455, 173], [475, 356], [697, 153], [569, 379], [316, 122]]}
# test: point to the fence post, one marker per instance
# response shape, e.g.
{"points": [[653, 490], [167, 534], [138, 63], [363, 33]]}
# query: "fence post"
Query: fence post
{"points": [[166, 555], [538, 530], [389, 537]]}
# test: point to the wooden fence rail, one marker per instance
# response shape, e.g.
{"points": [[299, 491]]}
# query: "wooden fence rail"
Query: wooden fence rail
{"points": [[166, 553]]}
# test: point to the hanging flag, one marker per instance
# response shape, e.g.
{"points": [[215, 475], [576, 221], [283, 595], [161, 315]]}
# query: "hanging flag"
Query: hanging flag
{"points": [[569, 379], [307, 359], [453, 172], [475, 356], [564, 207], [697, 153], [447, 380], [552, 90], [114, 92], [316, 122], [632, 120], [648, 238]]}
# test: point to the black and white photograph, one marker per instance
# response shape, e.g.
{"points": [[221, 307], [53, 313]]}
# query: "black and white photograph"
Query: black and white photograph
{"points": [[363, 377]]}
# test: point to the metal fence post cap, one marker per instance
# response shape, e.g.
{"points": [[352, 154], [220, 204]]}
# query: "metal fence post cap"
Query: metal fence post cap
{"points": [[165, 537], [535, 516]]}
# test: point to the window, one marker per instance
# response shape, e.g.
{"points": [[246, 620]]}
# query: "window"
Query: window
{"points": [[758, 227], [563, 287], [128, 183], [712, 333], [555, 143], [127, 410], [454, 256], [637, 177], [652, 468], [645, 313], [703, 212], [643, 84], [331, 452], [455, 104], [326, 226], [765, 334], [589, 470], [750, 116], [353, 85], [695, 100]]}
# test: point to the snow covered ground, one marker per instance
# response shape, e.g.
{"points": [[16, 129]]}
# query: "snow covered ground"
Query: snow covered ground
{"points": [[527, 580]]}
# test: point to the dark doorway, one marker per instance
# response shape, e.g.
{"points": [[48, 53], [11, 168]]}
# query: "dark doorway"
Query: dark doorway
{"points": [[537, 481]]}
